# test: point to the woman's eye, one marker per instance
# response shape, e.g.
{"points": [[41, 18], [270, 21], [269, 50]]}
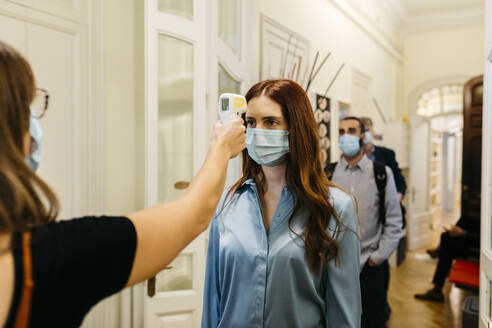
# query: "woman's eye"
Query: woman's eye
{"points": [[270, 123], [250, 124]]}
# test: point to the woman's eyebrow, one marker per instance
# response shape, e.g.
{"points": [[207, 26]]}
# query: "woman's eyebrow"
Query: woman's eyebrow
{"points": [[278, 118]]}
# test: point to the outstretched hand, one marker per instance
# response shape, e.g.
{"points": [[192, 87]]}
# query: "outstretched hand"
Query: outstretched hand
{"points": [[231, 136]]}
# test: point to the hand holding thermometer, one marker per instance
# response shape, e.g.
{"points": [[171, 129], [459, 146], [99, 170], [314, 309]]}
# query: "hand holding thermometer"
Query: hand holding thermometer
{"points": [[231, 106]]}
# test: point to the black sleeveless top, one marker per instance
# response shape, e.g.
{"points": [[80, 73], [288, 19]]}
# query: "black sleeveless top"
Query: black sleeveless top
{"points": [[75, 263]]}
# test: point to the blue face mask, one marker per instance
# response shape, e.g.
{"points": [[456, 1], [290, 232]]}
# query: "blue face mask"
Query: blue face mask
{"points": [[349, 145], [36, 137], [368, 137], [267, 147]]}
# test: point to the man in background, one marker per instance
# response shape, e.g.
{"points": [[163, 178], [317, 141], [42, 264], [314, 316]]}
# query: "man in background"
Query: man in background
{"points": [[373, 186], [387, 157]]}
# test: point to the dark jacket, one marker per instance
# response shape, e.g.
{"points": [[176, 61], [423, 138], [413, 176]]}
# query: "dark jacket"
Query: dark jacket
{"points": [[472, 226], [387, 156]]}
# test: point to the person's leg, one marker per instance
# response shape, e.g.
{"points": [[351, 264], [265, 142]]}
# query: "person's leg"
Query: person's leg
{"points": [[450, 248], [372, 284], [387, 307]]}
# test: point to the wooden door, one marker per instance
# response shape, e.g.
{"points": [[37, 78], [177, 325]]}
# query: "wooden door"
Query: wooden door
{"points": [[472, 148]]}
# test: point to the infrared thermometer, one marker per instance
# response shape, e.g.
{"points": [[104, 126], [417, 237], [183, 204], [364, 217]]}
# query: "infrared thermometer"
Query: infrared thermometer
{"points": [[231, 106]]}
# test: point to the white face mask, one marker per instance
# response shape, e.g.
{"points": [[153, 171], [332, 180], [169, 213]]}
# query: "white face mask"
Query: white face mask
{"points": [[349, 145], [368, 137], [36, 132], [267, 147]]}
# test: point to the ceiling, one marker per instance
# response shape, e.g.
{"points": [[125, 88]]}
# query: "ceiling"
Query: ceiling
{"points": [[429, 7], [413, 15]]}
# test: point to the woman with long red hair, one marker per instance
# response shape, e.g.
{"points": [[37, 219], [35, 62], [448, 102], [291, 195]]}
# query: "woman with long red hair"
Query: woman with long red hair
{"points": [[284, 247]]}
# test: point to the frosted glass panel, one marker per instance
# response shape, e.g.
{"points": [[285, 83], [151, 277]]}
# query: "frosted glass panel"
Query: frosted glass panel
{"points": [[230, 24], [227, 82], [177, 276], [183, 8], [175, 125]]}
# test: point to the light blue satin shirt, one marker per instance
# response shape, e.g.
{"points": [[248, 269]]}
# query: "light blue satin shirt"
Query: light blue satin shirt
{"points": [[260, 279]]}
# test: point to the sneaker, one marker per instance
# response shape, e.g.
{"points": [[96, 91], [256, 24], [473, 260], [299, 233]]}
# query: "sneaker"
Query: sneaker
{"points": [[431, 295], [434, 253]]}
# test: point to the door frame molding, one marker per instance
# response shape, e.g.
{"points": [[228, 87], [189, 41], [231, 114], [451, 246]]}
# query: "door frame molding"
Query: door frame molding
{"points": [[486, 201]]}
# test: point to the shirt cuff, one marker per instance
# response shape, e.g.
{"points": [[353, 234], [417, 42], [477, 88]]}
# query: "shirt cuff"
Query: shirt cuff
{"points": [[376, 258]]}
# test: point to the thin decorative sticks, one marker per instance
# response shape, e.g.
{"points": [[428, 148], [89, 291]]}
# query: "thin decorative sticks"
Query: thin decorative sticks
{"points": [[312, 70], [319, 68], [333, 80], [379, 110], [304, 78]]}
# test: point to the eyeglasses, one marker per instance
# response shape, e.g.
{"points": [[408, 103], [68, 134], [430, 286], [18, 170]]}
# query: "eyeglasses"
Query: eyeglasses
{"points": [[40, 103]]}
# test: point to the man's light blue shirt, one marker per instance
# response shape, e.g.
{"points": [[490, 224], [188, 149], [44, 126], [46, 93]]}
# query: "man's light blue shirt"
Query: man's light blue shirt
{"points": [[377, 242], [260, 279]]}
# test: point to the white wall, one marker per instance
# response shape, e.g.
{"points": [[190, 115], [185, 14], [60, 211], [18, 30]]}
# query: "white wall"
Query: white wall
{"points": [[123, 104], [123, 132], [436, 55], [320, 21], [328, 28]]}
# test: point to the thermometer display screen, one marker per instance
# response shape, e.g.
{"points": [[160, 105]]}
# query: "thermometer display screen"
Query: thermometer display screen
{"points": [[225, 104]]}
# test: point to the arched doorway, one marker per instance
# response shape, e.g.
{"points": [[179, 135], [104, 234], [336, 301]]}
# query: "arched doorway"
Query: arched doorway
{"points": [[435, 161]]}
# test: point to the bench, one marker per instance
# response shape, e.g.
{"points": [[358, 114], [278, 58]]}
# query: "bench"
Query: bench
{"points": [[465, 274]]}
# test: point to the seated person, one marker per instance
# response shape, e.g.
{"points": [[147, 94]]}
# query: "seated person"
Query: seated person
{"points": [[455, 243]]}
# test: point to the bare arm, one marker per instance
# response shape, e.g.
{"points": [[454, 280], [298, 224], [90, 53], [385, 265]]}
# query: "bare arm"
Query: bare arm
{"points": [[164, 230]]}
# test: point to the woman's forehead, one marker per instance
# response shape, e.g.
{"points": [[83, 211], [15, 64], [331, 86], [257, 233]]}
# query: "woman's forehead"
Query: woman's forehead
{"points": [[263, 106]]}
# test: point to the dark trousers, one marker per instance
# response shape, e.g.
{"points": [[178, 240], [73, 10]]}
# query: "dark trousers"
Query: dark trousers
{"points": [[387, 307], [450, 249], [373, 294]]}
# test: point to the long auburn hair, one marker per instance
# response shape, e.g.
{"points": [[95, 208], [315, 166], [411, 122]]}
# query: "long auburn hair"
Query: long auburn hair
{"points": [[25, 199], [304, 174]]}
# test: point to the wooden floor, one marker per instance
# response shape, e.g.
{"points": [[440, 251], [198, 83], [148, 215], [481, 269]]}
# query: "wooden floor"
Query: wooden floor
{"points": [[415, 276]]}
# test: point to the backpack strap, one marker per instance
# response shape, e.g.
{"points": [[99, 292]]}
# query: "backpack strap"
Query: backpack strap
{"points": [[381, 178], [329, 169], [24, 310]]}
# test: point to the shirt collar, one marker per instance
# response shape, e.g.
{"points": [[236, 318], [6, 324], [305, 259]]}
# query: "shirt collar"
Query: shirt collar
{"points": [[362, 164], [251, 183]]}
